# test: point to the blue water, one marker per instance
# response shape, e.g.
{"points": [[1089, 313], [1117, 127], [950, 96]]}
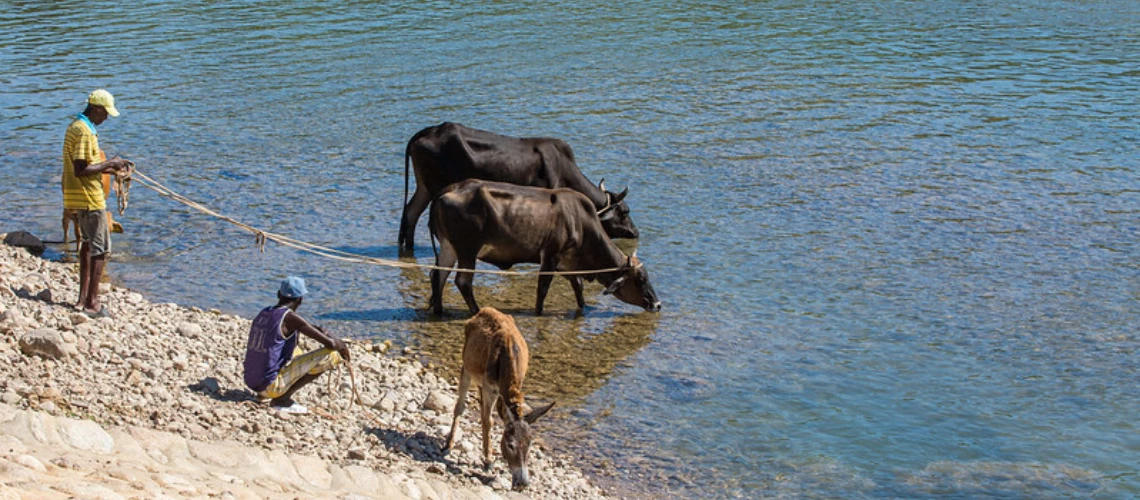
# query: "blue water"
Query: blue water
{"points": [[896, 242]]}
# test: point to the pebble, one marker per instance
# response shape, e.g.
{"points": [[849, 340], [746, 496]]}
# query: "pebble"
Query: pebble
{"points": [[176, 369]]}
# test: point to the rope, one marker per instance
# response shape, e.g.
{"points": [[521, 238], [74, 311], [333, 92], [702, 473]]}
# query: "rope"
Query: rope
{"points": [[123, 189], [261, 236]]}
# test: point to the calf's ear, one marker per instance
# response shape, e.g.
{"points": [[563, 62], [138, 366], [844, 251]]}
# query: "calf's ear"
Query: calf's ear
{"points": [[536, 414]]}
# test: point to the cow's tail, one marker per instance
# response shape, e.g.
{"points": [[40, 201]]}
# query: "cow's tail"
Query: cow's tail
{"points": [[431, 229], [407, 158]]}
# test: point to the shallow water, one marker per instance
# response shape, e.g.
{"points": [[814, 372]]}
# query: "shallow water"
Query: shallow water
{"points": [[895, 241]]}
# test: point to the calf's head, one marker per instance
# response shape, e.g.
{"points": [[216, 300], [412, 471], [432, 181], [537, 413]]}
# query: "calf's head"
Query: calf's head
{"points": [[615, 215], [632, 286], [515, 445]]}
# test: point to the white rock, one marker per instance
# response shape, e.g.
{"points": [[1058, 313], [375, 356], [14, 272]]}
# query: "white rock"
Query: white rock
{"points": [[43, 342], [439, 401], [31, 463], [180, 362], [85, 435], [189, 330]]}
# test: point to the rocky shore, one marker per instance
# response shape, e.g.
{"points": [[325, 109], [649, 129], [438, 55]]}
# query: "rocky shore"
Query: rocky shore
{"points": [[150, 403]]}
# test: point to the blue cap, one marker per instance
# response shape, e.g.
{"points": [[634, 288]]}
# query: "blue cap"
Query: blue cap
{"points": [[293, 288]]}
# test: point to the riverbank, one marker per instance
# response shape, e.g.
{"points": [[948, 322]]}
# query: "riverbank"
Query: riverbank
{"points": [[151, 402]]}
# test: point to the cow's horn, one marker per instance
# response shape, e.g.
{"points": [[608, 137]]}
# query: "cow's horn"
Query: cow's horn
{"points": [[620, 196], [602, 184]]}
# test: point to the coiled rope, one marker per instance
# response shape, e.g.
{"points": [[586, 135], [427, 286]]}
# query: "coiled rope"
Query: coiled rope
{"points": [[123, 189], [261, 236]]}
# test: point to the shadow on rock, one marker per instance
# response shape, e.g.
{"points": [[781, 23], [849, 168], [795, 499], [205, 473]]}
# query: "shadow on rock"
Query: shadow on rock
{"points": [[209, 386]]}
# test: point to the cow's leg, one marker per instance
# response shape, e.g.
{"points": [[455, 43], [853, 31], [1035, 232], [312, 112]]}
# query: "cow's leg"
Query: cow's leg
{"points": [[463, 280], [460, 406], [544, 280], [410, 217], [445, 259], [576, 284]]}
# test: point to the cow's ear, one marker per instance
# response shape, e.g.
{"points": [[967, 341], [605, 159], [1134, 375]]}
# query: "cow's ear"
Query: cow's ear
{"points": [[614, 286], [607, 213]]}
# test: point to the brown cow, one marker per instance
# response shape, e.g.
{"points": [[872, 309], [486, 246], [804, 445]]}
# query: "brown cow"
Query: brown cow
{"points": [[495, 358], [505, 224], [449, 152]]}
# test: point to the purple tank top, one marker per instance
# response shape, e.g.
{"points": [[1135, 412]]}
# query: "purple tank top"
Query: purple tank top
{"points": [[267, 351]]}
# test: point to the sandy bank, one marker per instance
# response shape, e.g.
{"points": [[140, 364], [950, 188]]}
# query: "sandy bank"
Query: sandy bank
{"points": [[155, 401]]}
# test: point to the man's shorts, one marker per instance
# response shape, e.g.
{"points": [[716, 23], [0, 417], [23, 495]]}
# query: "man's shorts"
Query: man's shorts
{"points": [[311, 363], [95, 231]]}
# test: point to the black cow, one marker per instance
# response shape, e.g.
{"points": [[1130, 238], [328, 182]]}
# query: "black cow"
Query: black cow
{"points": [[505, 224], [450, 152]]}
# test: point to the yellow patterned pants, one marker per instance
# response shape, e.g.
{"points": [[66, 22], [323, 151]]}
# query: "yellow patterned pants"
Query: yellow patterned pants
{"points": [[311, 363]]}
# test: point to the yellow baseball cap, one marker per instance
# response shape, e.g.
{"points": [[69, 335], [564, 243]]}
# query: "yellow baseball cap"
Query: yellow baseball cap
{"points": [[105, 99]]}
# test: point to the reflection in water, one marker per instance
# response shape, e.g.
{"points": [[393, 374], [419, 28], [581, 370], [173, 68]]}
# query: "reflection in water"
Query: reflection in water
{"points": [[921, 250], [572, 355]]}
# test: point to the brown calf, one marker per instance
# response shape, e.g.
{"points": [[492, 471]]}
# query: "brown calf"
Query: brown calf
{"points": [[495, 357], [71, 216]]}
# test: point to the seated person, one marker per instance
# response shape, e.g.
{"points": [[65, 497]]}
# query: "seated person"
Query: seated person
{"points": [[270, 369]]}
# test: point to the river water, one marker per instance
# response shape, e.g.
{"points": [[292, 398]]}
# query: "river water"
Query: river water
{"points": [[896, 242]]}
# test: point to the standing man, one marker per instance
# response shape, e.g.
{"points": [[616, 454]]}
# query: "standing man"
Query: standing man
{"points": [[83, 166], [270, 369]]}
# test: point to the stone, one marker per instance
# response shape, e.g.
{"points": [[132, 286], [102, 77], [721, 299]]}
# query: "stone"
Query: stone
{"points": [[210, 384], [85, 435], [31, 463], [25, 240], [44, 295], [189, 330], [43, 342], [439, 401], [178, 483], [78, 318], [388, 402], [180, 362]]}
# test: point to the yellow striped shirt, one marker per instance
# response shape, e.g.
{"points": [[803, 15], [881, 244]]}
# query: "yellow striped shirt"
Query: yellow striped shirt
{"points": [[83, 193]]}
